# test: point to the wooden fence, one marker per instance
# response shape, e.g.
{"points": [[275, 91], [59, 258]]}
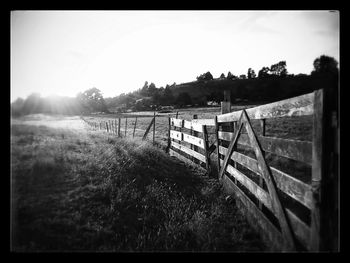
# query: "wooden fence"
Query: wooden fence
{"points": [[116, 126], [285, 208]]}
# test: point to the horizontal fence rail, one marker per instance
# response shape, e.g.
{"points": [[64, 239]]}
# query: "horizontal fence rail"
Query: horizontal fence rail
{"points": [[297, 106], [293, 149]]}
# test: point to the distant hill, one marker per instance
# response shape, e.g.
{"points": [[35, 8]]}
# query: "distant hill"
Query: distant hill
{"points": [[252, 90], [200, 92]]}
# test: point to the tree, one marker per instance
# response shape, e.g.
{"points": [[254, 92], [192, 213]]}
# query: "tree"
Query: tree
{"points": [[242, 76], [144, 89], [325, 65], [251, 74], [92, 100], [168, 97], [183, 99], [157, 96], [279, 69], [222, 76], [231, 76], [205, 76], [152, 89], [263, 73]]}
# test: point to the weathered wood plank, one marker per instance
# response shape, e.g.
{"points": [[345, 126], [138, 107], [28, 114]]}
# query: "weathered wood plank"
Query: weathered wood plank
{"points": [[207, 122], [293, 187], [169, 138], [193, 140], [263, 128], [187, 138], [188, 151], [176, 135], [133, 133], [205, 147], [192, 126], [258, 192], [297, 106], [176, 122], [317, 171], [293, 149], [119, 124], [217, 143], [126, 125], [255, 216], [231, 147], [154, 127]]}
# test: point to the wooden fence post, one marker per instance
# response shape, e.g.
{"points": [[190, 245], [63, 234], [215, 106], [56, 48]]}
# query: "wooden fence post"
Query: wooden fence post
{"points": [[317, 154], [324, 212], [194, 133], [261, 180], [234, 124], [154, 125], [169, 139], [126, 125], [133, 134], [206, 146], [115, 127], [119, 123], [226, 104], [107, 126], [225, 108], [217, 143], [148, 129]]}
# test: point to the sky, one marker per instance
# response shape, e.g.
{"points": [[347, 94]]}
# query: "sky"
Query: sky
{"points": [[66, 52]]}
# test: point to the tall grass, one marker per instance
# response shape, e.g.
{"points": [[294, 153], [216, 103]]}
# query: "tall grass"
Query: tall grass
{"points": [[100, 193]]}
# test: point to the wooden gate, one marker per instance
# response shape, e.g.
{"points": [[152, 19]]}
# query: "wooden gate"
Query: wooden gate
{"points": [[284, 207]]}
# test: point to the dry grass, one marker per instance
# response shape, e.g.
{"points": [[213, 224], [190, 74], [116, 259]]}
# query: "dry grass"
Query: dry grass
{"points": [[83, 190]]}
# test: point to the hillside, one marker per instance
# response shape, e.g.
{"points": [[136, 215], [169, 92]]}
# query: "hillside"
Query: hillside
{"points": [[252, 90]]}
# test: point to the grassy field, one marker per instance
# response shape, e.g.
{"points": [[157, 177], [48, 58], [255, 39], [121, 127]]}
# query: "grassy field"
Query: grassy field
{"points": [[76, 189]]}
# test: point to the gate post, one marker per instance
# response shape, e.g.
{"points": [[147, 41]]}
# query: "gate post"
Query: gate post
{"points": [[206, 146], [325, 180], [194, 133], [226, 104]]}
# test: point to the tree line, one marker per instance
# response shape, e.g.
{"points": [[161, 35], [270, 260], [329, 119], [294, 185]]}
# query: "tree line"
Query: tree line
{"points": [[276, 70], [150, 97]]}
